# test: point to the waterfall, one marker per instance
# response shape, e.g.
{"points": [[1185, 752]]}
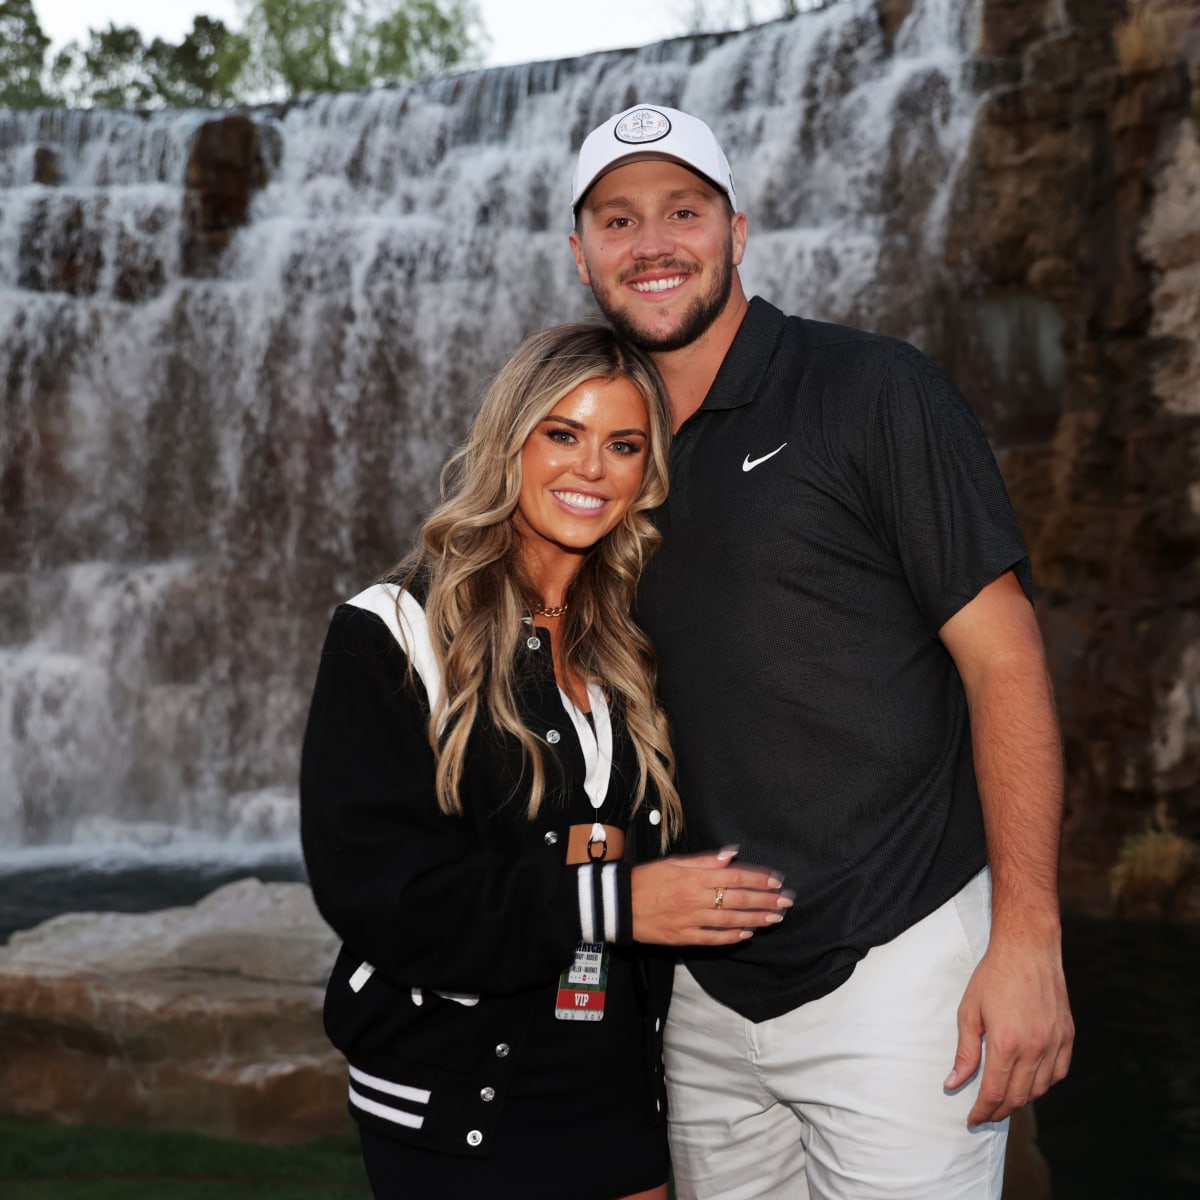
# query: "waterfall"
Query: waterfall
{"points": [[198, 458]]}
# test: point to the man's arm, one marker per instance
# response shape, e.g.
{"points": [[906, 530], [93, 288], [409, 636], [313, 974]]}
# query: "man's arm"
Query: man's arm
{"points": [[1017, 995]]}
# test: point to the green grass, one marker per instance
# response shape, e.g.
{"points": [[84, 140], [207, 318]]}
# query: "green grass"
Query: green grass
{"points": [[86, 1162], [91, 1162]]}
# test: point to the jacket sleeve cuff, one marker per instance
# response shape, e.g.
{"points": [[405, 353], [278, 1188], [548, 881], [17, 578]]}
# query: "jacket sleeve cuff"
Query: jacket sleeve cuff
{"points": [[605, 902]]}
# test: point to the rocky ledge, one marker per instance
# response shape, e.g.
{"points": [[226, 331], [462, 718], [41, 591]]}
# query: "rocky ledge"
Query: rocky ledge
{"points": [[205, 1018]]}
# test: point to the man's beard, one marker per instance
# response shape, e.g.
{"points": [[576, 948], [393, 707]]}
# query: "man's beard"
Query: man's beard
{"points": [[694, 323]]}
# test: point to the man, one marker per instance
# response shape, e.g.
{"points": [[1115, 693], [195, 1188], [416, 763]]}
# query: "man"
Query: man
{"points": [[859, 695]]}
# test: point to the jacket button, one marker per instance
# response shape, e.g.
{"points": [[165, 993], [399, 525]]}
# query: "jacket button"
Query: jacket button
{"points": [[533, 643], [474, 1137], [655, 817], [551, 839], [502, 1050], [553, 737], [487, 1095]]}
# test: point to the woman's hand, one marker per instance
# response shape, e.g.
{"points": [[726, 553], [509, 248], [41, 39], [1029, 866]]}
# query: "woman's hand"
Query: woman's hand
{"points": [[701, 900]]}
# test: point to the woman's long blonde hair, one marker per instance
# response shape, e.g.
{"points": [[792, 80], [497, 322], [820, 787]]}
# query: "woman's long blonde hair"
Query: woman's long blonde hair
{"points": [[478, 594]]}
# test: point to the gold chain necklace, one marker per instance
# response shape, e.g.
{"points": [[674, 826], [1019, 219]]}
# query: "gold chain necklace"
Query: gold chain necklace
{"points": [[543, 611]]}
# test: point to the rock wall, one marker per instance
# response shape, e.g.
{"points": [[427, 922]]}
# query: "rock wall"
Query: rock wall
{"points": [[1078, 220]]}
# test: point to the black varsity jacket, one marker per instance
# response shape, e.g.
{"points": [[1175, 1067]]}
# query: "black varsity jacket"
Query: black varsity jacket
{"points": [[448, 923]]}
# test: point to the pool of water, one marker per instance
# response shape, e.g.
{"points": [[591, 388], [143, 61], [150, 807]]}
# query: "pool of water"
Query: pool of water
{"points": [[39, 890]]}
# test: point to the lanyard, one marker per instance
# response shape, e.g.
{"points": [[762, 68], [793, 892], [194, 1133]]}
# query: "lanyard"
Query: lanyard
{"points": [[597, 747]]}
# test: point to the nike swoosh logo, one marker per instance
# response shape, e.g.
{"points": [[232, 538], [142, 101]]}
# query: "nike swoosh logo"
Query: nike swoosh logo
{"points": [[751, 463]]}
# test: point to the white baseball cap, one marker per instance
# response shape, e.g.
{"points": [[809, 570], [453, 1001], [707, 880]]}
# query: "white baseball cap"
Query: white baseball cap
{"points": [[651, 131]]}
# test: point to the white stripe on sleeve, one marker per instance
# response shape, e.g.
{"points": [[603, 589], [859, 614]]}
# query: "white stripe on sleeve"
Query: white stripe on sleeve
{"points": [[587, 906], [608, 886], [400, 1090], [385, 1111]]}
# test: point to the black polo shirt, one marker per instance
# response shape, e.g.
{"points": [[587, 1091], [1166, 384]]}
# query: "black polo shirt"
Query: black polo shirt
{"points": [[833, 503]]}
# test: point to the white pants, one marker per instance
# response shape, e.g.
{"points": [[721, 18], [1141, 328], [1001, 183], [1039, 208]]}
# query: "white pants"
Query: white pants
{"points": [[841, 1098]]}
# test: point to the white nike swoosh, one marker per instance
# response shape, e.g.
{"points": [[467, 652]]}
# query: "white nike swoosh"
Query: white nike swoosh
{"points": [[751, 463]]}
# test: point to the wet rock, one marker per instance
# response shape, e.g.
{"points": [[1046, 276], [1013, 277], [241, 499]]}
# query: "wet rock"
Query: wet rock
{"points": [[230, 161], [46, 166], [893, 14]]}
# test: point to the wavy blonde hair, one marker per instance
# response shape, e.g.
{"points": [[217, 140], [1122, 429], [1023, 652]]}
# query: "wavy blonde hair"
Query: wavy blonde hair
{"points": [[478, 594]]}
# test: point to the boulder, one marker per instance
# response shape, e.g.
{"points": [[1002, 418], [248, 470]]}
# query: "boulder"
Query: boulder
{"points": [[205, 1018], [230, 161]]}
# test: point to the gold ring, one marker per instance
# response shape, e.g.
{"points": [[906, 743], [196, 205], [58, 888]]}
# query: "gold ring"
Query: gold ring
{"points": [[718, 897]]}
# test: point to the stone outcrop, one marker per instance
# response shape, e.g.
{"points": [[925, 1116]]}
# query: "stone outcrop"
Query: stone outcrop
{"points": [[230, 160], [46, 166], [1077, 229], [204, 1018]]}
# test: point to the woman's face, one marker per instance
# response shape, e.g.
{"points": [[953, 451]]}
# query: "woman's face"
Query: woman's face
{"points": [[582, 468]]}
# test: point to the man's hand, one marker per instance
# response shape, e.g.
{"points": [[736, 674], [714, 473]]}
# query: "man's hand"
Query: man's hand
{"points": [[1017, 997], [675, 900]]}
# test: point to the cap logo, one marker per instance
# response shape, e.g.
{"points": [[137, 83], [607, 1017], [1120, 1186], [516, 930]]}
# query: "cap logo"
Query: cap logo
{"points": [[642, 125]]}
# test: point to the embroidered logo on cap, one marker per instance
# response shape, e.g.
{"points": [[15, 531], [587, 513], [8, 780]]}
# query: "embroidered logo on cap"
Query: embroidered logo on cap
{"points": [[642, 125]]}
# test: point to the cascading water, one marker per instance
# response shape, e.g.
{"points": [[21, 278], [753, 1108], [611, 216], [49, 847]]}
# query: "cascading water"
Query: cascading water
{"points": [[195, 464]]}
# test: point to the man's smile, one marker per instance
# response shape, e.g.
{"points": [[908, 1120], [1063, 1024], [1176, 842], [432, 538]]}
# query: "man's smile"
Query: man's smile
{"points": [[658, 285]]}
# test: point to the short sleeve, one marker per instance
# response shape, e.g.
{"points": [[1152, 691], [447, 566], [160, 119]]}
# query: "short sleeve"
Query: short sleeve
{"points": [[937, 492]]}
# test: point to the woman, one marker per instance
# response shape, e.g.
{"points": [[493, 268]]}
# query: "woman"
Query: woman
{"points": [[485, 762]]}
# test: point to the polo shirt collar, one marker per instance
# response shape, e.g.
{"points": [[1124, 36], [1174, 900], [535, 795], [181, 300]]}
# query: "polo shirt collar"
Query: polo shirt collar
{"points": [[748, 358]]}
